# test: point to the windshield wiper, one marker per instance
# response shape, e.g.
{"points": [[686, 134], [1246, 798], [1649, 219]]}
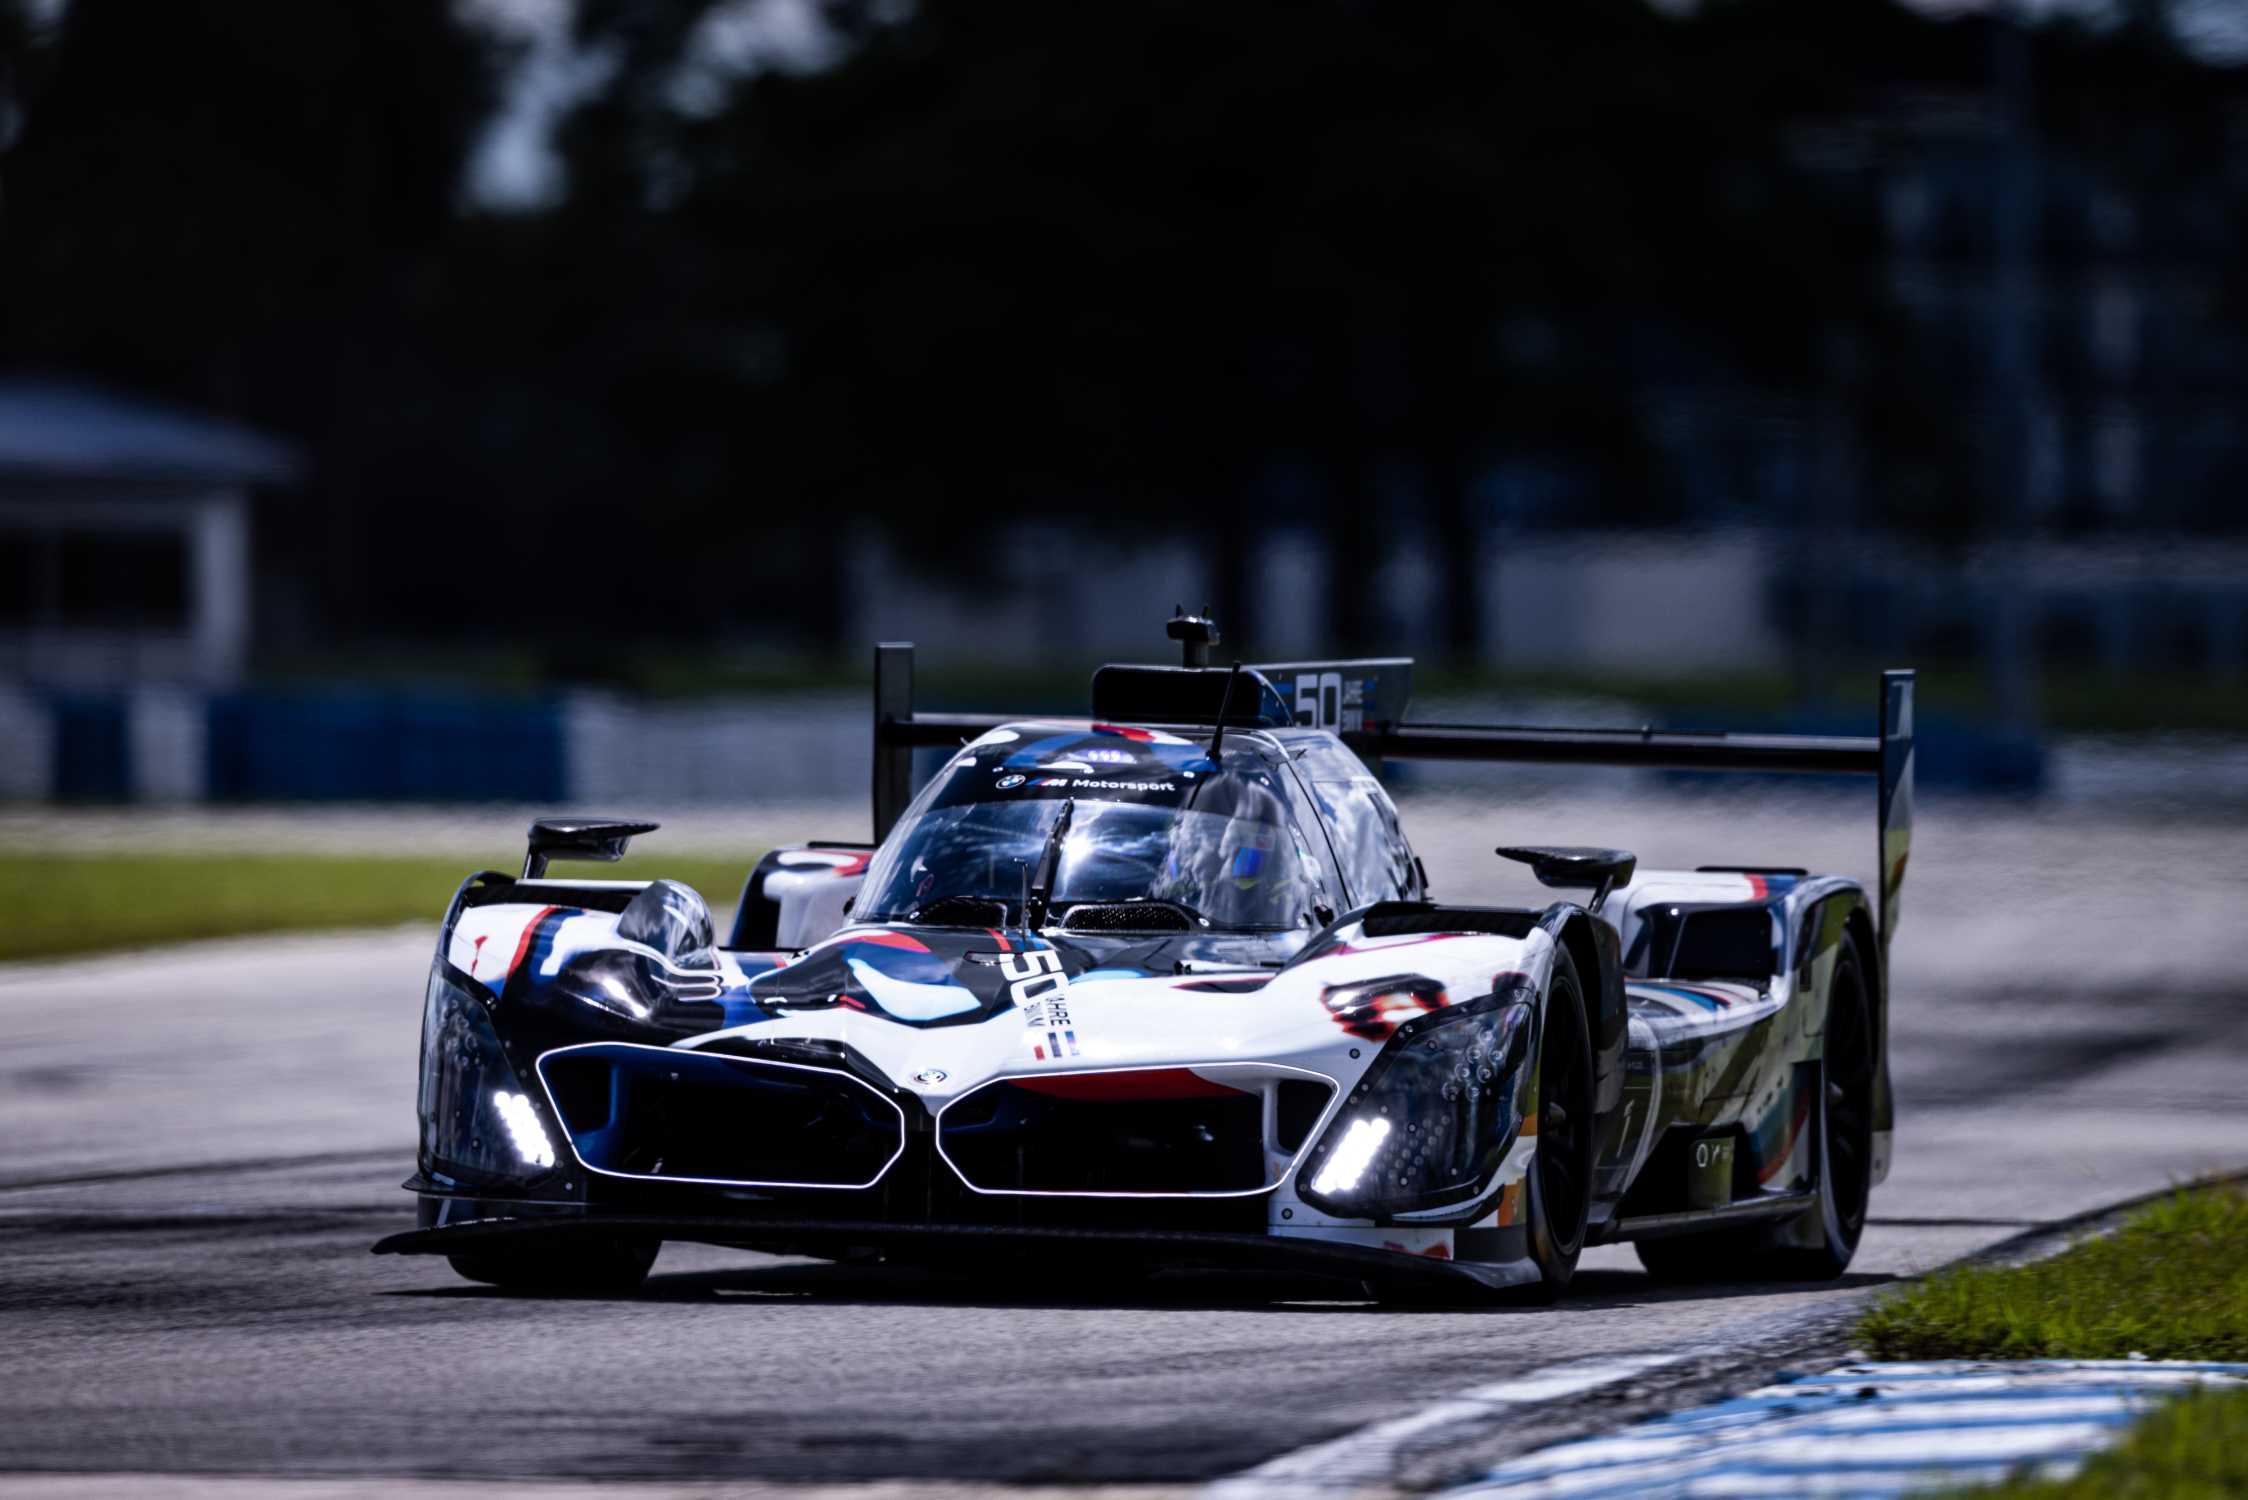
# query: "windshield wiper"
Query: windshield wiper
{"points": [[1034, 904]]}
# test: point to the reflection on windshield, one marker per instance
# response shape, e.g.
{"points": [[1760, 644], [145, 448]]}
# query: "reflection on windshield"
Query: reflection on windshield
{"points": [[1242, 866]]}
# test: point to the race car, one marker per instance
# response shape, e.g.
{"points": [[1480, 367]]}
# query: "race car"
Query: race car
{"points": [[1165, 986]]}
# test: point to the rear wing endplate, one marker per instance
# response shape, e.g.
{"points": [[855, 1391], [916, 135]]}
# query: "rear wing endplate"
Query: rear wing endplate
{"points": [[1886, 756]]}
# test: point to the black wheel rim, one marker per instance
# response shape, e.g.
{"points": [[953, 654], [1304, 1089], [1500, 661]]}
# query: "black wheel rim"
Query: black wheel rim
{"points": [[1849, 1099], [1564, 1161]]}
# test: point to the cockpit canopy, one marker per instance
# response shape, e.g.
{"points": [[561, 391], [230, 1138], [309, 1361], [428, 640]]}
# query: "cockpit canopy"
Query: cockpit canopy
{"points": [[1150, 818]]}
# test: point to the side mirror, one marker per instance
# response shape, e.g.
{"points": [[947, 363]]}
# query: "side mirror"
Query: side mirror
{"points": [[1571, 868], [602, 839]]}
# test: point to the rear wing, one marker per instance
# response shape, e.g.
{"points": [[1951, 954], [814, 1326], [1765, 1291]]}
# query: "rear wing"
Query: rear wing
{"points": [[1363, 701]]}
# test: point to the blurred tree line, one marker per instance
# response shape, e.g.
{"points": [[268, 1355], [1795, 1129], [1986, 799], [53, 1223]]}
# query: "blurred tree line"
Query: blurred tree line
{"points": [[1130, 266]]}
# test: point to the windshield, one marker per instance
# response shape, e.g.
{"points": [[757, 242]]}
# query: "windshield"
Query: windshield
{"points": [[1149, 822]]}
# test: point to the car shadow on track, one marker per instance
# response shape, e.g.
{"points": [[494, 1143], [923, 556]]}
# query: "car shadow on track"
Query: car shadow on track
{"points": [[873, 1284]]}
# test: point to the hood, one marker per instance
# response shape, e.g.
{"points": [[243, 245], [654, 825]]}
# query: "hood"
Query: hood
{"points": [[942, 1011], [932, 977]]}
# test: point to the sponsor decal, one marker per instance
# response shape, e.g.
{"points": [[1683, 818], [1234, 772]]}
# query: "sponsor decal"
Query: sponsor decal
{"points": [[1035, 978], [1328, 700], [1050, 777], [1037, 985], [1054, 1046], [928, 1077]]}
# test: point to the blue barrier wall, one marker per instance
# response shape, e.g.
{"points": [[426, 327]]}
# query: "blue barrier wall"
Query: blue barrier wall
{"points": [[435, 746], [384, 747], [92, 749]]}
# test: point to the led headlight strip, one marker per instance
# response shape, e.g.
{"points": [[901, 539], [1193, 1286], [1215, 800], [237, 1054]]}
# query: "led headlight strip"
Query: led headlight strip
{"points": [[1434, 1116], [523, 1126]]}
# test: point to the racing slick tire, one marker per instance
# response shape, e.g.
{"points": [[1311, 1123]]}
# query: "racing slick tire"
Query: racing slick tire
{"points": [[1818, 1245], [587, 1265], [1557, 1193]]}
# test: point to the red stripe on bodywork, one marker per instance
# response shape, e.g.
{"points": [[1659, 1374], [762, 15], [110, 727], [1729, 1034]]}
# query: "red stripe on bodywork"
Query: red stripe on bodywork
{"points": [[1146, 1083], [1000, 938], [1383, 945], [1758, 889], [889, 940], [530, 931], [841, 864]]}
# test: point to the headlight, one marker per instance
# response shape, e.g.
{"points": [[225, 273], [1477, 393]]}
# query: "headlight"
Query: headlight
{"points": [[1434, 1116], [479, 1126]]}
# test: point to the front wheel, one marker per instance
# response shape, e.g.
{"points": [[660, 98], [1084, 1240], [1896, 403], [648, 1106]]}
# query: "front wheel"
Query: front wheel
{"points": [[580, 1265]]}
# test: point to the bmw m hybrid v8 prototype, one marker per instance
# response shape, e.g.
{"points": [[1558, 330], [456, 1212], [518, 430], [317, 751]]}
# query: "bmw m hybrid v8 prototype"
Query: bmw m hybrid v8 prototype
{"points": [[1166, 986]]}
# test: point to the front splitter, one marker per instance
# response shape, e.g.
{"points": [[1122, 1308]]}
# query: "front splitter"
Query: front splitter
{"points": [[834, 1238]]}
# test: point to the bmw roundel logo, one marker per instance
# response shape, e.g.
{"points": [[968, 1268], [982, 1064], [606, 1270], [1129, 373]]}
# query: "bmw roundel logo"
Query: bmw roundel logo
{"points": [[931, 1076], [1010, 781]]}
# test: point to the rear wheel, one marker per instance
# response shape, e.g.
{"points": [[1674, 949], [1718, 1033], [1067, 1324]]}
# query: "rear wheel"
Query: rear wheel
{"points": [[579, 1264], [1819, 1245], [1558, 1192], [1846, 1076]]}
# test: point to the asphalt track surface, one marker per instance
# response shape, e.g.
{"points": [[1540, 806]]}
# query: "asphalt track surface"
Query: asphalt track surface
{"points": [[201, 1142]]}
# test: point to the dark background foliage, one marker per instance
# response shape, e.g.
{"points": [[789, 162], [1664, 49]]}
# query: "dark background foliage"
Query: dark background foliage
{"points": [[1123, 265]]}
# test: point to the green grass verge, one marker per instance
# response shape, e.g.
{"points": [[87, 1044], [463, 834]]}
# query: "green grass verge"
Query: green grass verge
{"points": [[2171, 1283], [59, 904], [2192, 1448]]}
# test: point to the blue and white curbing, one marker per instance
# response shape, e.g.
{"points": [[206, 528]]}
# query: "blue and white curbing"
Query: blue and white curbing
{"points": [[1870, 1430]]}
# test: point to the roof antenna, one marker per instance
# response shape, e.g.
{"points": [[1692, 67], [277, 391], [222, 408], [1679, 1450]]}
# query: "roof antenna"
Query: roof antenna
{"points": [[1217, 740], [1196, 634]]}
